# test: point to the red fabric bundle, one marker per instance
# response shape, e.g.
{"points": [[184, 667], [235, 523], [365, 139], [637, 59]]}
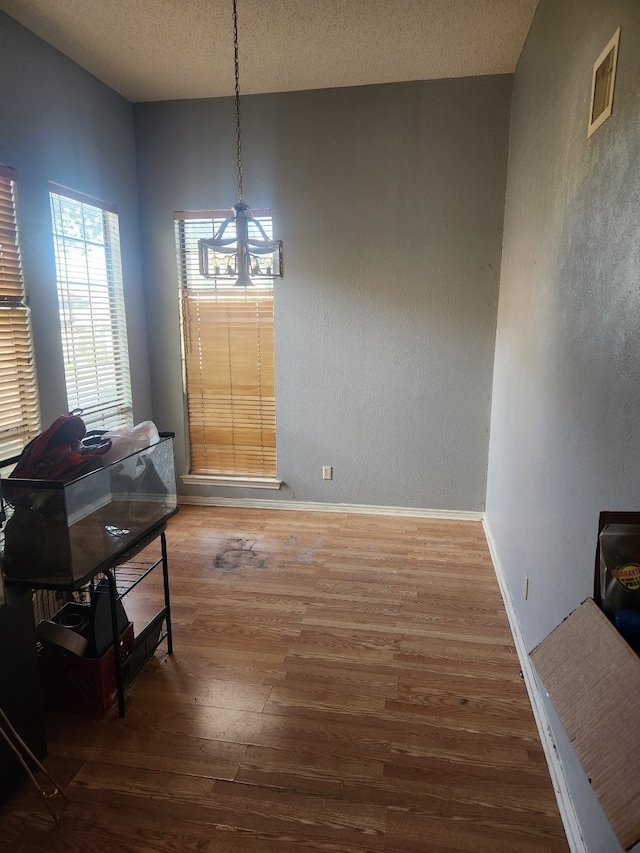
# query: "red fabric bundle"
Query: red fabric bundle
{"points": [[59, 454]]}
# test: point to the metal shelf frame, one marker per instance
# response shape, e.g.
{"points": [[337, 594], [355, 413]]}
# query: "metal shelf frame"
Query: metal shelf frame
{"points": [[109, 568]]}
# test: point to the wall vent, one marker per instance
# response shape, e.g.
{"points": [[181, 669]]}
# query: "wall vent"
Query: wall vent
{"points": [[602, 85]]}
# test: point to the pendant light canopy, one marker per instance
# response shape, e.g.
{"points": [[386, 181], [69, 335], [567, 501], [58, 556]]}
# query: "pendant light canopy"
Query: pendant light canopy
{"points": [[240, 250]]}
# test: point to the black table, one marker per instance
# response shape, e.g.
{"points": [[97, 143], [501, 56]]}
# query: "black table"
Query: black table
{"points": [[143, 649]]}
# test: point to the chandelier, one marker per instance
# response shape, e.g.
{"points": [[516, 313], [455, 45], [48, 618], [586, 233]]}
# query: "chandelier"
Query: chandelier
{"points": [[240, 250]]}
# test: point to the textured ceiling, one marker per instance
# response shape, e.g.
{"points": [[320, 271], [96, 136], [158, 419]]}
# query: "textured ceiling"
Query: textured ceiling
{"points": [[150, 50]]}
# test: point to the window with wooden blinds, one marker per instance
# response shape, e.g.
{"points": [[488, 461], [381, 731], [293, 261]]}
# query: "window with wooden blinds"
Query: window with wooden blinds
{"points": [[19, 412], [92, 315], [228, 348]]}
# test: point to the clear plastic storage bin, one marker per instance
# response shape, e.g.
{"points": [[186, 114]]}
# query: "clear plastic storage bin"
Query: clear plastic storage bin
{"points": [[58, 533]]}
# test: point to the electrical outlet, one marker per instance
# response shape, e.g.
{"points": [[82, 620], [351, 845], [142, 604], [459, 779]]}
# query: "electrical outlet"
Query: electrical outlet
{"points": [[327, 472], [525, 587]]}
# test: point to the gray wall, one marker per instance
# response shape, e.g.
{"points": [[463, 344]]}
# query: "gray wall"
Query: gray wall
{"points": [[58, 123], [565, 426], [389, 200]]}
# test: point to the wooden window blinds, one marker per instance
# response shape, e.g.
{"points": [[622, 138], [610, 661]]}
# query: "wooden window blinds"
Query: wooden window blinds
{"points": [[228, 352], [92, 313], [19, 412]]}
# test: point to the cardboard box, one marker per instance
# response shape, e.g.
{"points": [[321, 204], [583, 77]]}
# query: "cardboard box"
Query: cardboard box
{"points": [[592, 677], [609, 517]]}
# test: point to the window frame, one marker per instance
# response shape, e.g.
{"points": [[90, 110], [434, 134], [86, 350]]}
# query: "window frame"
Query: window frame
{"points": [[195, 293], [20, 415], [93, 303]]}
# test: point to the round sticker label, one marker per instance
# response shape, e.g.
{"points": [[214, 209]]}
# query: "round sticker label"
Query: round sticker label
{"points": [[628, 575]]}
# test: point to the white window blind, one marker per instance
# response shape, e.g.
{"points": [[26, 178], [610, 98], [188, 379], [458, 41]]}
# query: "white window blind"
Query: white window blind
{"points": [[92, 314], [19, 412], [228, 348]]}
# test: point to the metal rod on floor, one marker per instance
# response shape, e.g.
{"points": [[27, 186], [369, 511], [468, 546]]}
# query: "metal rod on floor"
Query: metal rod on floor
{"points": [[20, 749]]}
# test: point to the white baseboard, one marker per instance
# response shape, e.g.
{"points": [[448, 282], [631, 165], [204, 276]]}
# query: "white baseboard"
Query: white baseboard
{"points": [[310, 506], [556, 769]]}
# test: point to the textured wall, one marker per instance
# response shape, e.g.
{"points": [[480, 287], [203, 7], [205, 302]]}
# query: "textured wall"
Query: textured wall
{"points": [[565, 426], [389, 200], [58, 123]]}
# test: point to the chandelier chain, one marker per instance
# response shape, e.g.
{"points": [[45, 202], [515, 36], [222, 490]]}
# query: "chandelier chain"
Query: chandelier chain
{"points": [[237, 81]]}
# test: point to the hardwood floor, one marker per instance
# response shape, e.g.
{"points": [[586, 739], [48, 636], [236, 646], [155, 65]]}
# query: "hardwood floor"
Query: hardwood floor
{"points": [[340, 683]]}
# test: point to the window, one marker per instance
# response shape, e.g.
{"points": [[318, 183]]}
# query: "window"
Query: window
{"points": [[92, 317], [19, 413], [603, 83], [227, 336]]}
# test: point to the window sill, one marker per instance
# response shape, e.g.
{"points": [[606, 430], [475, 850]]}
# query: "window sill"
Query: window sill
{"points": [[234, 482]]}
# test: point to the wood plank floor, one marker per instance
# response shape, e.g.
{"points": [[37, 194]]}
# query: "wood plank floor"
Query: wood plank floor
{"points": [[340, 683]]}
